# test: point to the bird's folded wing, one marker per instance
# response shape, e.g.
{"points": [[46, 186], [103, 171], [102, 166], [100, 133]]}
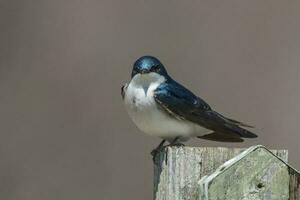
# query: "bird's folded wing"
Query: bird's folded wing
{"points": [[182, 104]]}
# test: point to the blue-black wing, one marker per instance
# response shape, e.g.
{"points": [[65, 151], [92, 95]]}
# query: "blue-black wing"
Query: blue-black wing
{"points": [[183, 104]]}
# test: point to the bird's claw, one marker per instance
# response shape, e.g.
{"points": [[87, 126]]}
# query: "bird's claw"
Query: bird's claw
{"points": [[176, 145], [161, 147], [156, 151]]}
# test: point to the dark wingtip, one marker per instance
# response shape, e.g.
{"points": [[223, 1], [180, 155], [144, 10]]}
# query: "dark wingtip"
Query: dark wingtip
{"points": [[247, 134], [246, 125]]}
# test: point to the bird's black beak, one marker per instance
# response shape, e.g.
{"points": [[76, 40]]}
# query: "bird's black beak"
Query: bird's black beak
{"points": [[144, 71]]}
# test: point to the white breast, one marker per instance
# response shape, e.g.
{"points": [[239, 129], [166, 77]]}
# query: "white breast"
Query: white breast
{"points": [[148, 117]]}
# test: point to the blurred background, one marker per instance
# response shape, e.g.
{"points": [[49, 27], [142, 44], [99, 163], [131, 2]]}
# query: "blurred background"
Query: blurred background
{"points": [[64, 132]]}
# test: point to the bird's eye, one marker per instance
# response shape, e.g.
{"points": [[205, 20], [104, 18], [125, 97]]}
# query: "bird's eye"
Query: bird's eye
{"points": [[155, 68]]}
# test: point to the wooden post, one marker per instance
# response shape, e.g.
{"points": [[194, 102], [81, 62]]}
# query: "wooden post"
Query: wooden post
{"points": [[197, 173]]}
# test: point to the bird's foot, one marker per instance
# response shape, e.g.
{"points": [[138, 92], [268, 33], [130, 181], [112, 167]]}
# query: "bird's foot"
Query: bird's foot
{"points": [[178, 144], [175, 142], [155, 151], [159, 148]]}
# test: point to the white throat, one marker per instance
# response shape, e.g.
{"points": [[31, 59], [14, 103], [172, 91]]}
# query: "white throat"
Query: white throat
{"points": [[148, 82]]}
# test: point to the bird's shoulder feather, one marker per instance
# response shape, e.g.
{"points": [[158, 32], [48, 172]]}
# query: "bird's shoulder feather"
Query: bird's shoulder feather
{"points": [[177, 98]]}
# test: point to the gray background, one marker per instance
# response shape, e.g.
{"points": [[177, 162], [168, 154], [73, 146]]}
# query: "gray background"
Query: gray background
{"points": [[64, 131]]}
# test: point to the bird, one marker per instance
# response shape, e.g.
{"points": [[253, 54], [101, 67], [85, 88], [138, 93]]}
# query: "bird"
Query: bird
{"points": [[162, 107]]}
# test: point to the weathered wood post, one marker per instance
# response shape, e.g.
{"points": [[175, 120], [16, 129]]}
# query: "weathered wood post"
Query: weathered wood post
{"points": [[198, 173]]}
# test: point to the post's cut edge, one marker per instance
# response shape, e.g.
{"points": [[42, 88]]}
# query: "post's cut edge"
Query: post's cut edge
{"points": [[286, 163]]}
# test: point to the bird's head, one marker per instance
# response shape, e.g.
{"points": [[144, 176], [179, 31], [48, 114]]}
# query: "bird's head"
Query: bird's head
{"points": [[148, 64]]}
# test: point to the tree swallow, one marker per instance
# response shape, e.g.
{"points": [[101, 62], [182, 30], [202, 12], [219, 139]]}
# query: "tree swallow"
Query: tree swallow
{"points": [[160, 106]]}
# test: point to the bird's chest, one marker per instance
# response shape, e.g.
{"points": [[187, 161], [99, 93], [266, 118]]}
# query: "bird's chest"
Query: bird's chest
{"points": [[144, 111], [141, 104], [149, 117]]}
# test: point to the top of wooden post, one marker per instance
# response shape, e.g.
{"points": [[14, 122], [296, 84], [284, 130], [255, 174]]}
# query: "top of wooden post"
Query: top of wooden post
{"points": [[178, 170]]}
